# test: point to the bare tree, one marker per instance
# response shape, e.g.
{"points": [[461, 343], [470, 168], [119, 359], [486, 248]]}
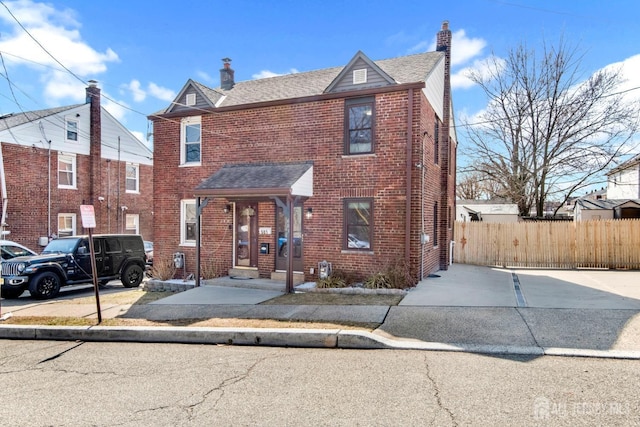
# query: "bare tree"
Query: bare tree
{"points": [[474, 186], [546, 132]]}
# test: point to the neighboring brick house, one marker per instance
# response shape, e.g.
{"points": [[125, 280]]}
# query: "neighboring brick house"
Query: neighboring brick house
{"points": [[362, 157], [623, 181], [54, 160]]}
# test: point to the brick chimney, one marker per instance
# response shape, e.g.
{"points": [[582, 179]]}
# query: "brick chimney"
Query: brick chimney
{"points": [[95, 137], [447, 172], [226, 75]]}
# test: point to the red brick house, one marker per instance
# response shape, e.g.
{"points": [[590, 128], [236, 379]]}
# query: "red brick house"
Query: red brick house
{"points": [[361, 157], [54, 160]]}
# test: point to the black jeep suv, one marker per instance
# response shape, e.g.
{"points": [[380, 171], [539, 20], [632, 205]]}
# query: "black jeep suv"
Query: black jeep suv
{"points": [[67, 261]]}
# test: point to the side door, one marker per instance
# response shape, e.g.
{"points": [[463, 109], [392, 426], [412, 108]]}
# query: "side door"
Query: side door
{"points": [[113, 255]]}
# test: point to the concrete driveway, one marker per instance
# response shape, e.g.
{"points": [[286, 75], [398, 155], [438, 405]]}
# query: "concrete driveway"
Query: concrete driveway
{"points": [[475, 286]]}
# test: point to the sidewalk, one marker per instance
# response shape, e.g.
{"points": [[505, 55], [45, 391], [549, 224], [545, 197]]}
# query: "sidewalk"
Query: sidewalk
{"points": [[466, 308]]}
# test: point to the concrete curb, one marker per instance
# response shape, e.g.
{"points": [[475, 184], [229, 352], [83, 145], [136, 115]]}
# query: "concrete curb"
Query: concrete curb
{"points": [[284, 337]]}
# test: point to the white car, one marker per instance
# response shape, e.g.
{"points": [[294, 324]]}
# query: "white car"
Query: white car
{"points": [[12, 249]]}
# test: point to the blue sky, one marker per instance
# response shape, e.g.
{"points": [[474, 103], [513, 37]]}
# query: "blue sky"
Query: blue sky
{"points": [[142, 52]]}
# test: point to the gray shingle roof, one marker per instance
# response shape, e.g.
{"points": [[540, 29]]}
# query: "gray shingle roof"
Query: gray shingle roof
{"points": [[254, 176], [405, 69], [11, 120]]}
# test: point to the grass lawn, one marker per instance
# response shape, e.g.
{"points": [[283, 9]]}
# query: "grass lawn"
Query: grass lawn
{"points": [[137, 296]]}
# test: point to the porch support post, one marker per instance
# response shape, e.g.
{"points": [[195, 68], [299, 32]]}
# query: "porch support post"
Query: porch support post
{"points": [[290, 246], [200, 204]]}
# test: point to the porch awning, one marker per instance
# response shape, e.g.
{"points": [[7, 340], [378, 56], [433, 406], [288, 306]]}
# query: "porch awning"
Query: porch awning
{"points": [[259, 180]]}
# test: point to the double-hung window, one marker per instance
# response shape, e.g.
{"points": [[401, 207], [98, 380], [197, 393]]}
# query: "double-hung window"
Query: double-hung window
{"points": [[359, 126], [132, 223], [190, 141], [133, 178], [358, 224], [66, 224], [66, 171], [188, 222], [71, 130]]}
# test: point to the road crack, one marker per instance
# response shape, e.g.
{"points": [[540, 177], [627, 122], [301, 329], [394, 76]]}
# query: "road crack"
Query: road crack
{"points": [[436, 394]]}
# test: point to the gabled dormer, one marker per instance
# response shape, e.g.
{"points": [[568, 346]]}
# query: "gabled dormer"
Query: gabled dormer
{"points": [[195, 96], [360, 73]]}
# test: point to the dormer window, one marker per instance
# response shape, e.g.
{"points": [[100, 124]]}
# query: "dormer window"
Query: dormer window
{"points": [[359, 76]]}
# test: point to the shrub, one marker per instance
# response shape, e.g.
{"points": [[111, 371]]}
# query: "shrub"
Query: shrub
{"points": [[163, 269], [331, 282], [397, 275], [209, 269]]}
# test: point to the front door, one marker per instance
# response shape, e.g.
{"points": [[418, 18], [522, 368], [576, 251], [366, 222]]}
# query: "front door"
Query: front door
{"points": [[246, 234], [282, 249]]}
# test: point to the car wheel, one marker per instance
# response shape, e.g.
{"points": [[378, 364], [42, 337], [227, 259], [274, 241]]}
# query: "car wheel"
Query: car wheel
{"points": [[132, 276], [44, 285], [12, 293]]}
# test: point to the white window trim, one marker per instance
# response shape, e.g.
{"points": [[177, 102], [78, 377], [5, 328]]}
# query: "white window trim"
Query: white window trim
{"points": [[73, 223], [66, 130], [69, 158], [136, 223], [137, 178], [183, 152], [183, 220]]}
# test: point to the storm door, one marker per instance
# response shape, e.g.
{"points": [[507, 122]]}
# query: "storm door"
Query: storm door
{"points": [[246, 234], [283, 251]]}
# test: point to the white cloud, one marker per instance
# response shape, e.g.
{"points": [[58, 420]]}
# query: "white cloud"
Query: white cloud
{"points": [[138, 94], [202, 75], [117, 109], [60, 85], [266, 73], [630, 71], [161, 93], [485, 67], [58, 36]]}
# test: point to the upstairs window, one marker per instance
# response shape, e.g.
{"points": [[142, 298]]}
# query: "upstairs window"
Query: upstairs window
{"points": [[72, 130], [359, 125], [66, 171], [133, 178], [190, 140]]}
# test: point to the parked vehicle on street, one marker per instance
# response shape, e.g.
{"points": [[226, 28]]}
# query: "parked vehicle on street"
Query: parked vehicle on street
{"points": [[67, 261], [12, 249], [148, 249]]}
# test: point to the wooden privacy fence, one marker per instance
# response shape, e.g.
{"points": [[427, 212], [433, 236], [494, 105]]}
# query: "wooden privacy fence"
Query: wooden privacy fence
{"points": [[583, 244]]}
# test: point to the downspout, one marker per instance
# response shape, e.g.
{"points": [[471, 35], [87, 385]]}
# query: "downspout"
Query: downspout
{"points": [[422, 231], [4, 192], [407, 226]]}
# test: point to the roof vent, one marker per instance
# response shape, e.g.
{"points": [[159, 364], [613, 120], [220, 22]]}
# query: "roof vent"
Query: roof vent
{"points": [[190, 99], [359, 76]]}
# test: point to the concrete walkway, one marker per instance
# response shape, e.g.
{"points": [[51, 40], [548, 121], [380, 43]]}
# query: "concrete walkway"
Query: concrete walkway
{"points": [[466, 308]]}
